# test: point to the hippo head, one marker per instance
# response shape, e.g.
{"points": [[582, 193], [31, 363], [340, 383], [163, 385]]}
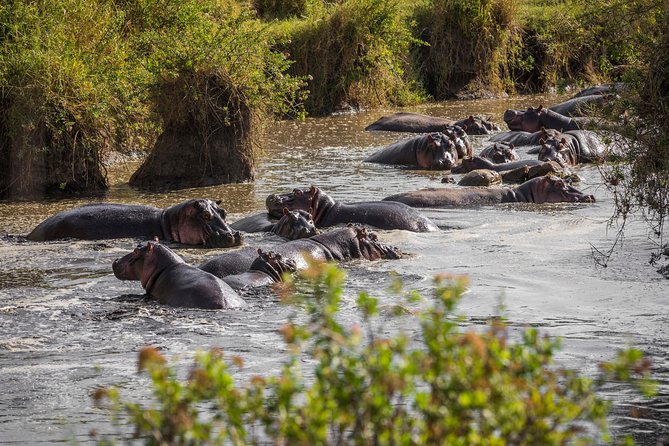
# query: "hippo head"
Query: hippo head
{"points": [[552, 189], [199, 222], [558, 150], [458, 134], [528, 120], [371, 248], [470, 163], [501, 153], [295, 224], [476, 125], [145, 263], [439, 152], [311, 200], [273, 265]]}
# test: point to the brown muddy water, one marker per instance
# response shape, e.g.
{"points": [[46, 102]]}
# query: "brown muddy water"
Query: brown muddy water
{"points": [[67, 325]]}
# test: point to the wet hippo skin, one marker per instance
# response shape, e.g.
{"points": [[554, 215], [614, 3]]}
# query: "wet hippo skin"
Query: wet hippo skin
{"points": [[199, 222]]}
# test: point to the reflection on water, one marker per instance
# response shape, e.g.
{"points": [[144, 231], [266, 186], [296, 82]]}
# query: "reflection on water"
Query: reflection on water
{"points": [[67, 325]]}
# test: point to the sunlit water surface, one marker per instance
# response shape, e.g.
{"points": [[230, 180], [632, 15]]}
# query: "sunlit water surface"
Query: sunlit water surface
{"points": [[67, 325]]}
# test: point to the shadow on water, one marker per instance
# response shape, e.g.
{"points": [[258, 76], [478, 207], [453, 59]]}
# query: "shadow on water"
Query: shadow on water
{"points": [[67, 325]]}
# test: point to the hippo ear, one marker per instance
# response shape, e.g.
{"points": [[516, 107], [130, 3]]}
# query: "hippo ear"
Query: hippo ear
{"points": [[197, 204], [542, 142], [471, 117], [259, 251], [511, 147], [563, 141], [218, 202], [312, 190], [429, 138], [311, 211], [285, 211], [150, 246], [360, 232], [541, 106], [464, 127]]}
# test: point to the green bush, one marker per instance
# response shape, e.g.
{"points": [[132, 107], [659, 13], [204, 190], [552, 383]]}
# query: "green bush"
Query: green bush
{"points": [[470, 45], [355, 53], [585, 41], [448, 387], [640, 181]]}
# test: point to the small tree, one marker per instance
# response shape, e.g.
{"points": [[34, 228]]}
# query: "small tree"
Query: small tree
{"points": [[454, 387]]}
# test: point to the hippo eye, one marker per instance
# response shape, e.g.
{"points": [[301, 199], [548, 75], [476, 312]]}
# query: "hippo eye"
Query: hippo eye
{"points": [[198, 205], [206, 215], [297, 192]]}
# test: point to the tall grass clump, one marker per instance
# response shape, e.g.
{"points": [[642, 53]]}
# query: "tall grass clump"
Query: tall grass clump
{"points": [[471, 46], [58, 109], [640, 182], [583, 41], [214, 81], [439, 386], [355, 54]]}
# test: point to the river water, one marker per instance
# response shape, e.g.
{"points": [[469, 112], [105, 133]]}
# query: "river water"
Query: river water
{"points": [[67, 325]]}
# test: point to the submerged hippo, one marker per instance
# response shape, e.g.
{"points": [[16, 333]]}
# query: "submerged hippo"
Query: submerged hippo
{"points": [[499, 153], [572, 148], [520, 139], [546, 189], [603, 89], [328, 212], [580, 106], [432, 151], [533, 119], [292, 224], [469, 164], [194, 222], [337, 245], [417, 123], [268, 268], [169, 280]]}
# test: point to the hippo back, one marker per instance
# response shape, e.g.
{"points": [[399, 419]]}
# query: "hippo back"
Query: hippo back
{"points": [[98, 221]]}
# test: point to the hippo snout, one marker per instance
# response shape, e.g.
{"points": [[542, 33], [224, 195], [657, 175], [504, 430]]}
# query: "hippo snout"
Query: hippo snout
{"points": [[225, 239]]}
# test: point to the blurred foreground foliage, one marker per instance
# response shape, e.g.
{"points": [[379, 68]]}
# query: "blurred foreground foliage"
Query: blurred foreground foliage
{"points": [[442, 386]]}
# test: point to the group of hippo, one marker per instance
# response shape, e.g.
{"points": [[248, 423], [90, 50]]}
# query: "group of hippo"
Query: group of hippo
{"points": [[299, 215]]}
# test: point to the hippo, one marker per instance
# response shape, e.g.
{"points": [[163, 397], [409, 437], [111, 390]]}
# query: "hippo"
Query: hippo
{"points": [[292, 224], [603, 89], [572, 148], [171, 281], [432, 151], [520, 138], [499, 153], [268, 268], [472, 163], [580, 106], [545, 189], [328, 212], [351, 242], [198, 222], [533, 119], [417, 123]]}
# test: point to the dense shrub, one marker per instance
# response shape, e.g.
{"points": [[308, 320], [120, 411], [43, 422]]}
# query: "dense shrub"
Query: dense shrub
{"points": [[57, 106], [470, 46], [582, 41], [214, 79], [640, 182], [448, 387], [355, 53]]}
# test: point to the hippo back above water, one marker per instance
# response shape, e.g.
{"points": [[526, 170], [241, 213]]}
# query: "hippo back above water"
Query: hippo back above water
{"points": [[337, 245], [545, 189], [533, 119], [199, 222], [418, 123], [328, 212], [169, 280]]}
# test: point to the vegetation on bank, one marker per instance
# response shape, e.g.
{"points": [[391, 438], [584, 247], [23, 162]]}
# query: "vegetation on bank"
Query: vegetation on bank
{"points": [[137, 75], [443, 385]]}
